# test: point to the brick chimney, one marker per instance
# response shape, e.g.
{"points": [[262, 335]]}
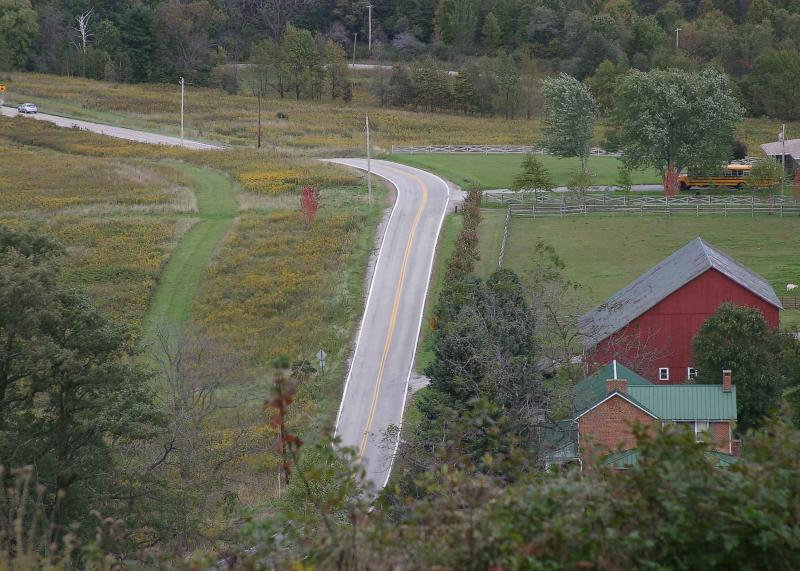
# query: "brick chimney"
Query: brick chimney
{"points": [[727, 380], [618, 385]]}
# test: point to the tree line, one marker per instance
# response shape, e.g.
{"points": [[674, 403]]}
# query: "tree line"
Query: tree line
{"points": [[756, 42]]}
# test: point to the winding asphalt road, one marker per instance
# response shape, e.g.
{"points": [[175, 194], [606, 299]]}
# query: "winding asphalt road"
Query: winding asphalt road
{"points": [[118, 132], [377, 383]]}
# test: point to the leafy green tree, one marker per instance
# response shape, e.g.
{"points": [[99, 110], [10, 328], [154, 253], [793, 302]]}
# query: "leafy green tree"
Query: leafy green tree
{"points": [[138, 33], [459, 20], [71, 391], [271, 65], [603, 84], [465, 89], [533, 175], [485, 369], [766, 176], [570, 114], [759, 11], [671, 119], [336, 70], [27, 281], [492, 34], [623, 181], [771, 87], [507, 84], [301, 57], [738, 338], [18, 29], [646, 36]]}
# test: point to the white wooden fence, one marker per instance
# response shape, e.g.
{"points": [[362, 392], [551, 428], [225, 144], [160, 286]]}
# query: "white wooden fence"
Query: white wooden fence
{"points": [[485, 149], [563, 204]]}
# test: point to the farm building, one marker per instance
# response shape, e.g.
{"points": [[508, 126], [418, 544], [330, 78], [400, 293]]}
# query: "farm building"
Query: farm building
{"points": [[649, 324], [610, 402], [790, 147]]}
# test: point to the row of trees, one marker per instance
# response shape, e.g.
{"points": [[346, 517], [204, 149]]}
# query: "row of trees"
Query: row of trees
{"points": [[756, 42], [487, 86], [663, 119], [302, 65]]}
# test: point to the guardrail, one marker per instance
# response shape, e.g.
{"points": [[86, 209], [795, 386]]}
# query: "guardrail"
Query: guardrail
{"points": [[525, 204], [485, 149]]}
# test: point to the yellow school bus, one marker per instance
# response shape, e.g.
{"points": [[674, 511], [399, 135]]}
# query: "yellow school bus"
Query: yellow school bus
{"points": [[733, 176]]}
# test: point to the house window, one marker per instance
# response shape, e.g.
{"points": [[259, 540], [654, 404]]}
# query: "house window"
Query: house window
{"points": [[663, 374], [700, 426], [691, 373]]}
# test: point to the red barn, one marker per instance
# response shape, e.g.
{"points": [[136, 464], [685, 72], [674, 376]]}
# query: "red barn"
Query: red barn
{"points": [[649, 324]]}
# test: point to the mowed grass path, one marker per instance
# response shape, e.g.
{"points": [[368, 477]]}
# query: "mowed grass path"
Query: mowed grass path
{"points": [[180, 280], [605, 253], [492, 171]]}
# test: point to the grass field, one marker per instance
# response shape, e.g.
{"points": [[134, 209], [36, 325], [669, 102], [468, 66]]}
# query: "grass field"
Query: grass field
{"points": [[605, 253], [498, 171]]}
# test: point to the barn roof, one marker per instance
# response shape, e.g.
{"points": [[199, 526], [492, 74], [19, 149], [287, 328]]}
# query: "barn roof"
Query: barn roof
{"points": [[792, 147], [663, 279]]}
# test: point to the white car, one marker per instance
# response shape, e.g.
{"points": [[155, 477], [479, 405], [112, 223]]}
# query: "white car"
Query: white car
{"points": [[27, 108]]}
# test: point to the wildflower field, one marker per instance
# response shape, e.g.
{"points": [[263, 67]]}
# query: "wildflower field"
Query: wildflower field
{"points": [[216, 242]]}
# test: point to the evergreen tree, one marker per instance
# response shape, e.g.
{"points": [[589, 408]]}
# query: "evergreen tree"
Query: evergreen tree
{"points": [[533, 176], [492, 35]]}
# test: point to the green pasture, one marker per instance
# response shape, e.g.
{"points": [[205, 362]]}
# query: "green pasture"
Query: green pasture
{"points": [[605, 253], [498, 170]]}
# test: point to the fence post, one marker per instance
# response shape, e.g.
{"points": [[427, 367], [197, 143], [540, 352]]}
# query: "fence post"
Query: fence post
{"points": [[752, 206], [698, 210]]}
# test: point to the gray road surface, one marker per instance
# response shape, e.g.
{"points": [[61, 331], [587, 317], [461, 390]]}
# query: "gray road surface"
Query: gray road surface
{"points": [[634, 188], [377, 382], [118, 132]]}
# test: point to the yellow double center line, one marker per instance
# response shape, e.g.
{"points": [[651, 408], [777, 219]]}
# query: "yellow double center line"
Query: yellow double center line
{"points": [[395, 309]]}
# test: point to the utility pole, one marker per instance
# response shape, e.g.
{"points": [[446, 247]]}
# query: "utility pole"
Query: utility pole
{"points": [[677, 31], [258, 145], [369, 43], [783, 158], [182, 88], [355, 41], [369, 165]]}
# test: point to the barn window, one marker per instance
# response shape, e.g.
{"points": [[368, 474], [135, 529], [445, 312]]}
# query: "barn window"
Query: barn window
{"points": [[663, 374], [691, 373]]}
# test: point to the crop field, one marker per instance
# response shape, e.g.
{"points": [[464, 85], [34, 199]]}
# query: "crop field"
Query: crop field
{"points": [[605, 253], [498, 170]]}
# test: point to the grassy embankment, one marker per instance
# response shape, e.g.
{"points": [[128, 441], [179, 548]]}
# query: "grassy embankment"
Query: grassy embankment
{"points": [[604, 253], [498, 171]]}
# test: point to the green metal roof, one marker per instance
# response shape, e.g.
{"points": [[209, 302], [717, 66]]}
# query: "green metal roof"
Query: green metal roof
{"points": [[686, 402], [592, 389], [628, 458]]}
